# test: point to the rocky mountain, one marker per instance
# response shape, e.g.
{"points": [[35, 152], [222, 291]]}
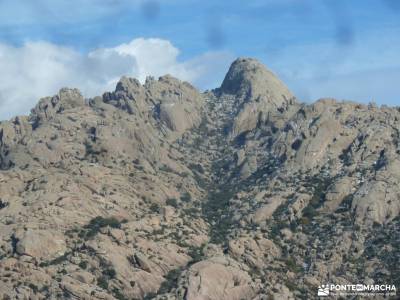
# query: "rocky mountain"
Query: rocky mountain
{"points": [[159, 191]]}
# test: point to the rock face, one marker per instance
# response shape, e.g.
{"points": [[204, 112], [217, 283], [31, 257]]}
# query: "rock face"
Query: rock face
{"points": [[177, 105], [258, 94], [42, 245], [48, 107], [158, 191], [249, 79], [213, 280]]}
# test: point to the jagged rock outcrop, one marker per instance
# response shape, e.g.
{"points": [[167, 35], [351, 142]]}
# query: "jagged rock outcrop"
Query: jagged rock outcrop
{"points": [[259, 95], [158, 191], [48, 107], [175, 104]]}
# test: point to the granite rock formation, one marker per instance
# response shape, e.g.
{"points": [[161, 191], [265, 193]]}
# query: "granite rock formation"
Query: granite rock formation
{"points": [[159, 191]]}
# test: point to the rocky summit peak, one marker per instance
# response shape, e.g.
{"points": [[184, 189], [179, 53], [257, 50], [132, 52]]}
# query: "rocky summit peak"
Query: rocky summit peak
{"points": [[254, 95], [127, 84], [158, 191], [240, 72], [249, 79]]}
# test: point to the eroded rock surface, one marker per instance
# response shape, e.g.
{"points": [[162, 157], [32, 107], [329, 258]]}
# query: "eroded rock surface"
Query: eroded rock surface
{"points": [[158, 191]]}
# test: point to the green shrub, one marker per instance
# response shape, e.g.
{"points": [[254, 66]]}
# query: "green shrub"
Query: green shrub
{"points": [[33, 287], [117, 294], [83, 264], [3, 204], [150, 296], [309, 212], [216, 211], [94, 226], [155, 208], [172, 202], [197, 167], [102, 282], [89, 149], [110, 273], [186, 197], [297, 144], [196, 253], [291, 285], [171, 281], [346, 204], [56, 261], [292, 266], [166, 169], [305, 221]]}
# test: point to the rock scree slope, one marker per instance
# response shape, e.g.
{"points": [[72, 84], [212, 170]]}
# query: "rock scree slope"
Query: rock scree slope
{"points": [[159, 191]]}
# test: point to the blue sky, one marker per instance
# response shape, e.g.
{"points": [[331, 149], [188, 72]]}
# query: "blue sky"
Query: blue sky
{"points": [[320, 48]]}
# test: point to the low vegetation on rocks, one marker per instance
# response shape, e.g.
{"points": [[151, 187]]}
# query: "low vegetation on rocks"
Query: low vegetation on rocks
{"points": [[159, 191]]}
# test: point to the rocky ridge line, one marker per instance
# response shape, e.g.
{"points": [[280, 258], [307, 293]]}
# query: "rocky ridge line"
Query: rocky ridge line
{"points": [[157, 191]]}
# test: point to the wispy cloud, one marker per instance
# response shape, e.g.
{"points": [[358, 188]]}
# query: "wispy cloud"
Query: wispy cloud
{"points": [[343, 49], [39, 69]]}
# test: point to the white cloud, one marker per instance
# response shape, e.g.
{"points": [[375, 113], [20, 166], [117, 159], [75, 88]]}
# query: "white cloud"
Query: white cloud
{"points": [[39, 69]]}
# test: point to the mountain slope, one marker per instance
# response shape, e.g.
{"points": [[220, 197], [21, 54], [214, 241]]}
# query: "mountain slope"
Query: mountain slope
{"points": [[160, 191]]}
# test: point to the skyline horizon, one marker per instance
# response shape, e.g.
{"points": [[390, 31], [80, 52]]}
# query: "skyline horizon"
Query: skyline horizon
{"points": [[302, 101], [318, 48]]}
